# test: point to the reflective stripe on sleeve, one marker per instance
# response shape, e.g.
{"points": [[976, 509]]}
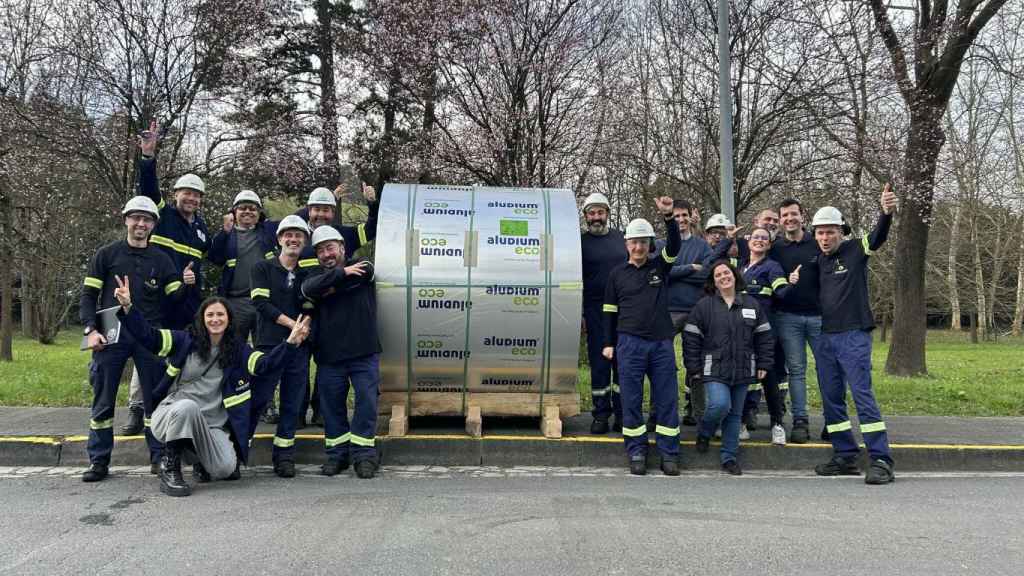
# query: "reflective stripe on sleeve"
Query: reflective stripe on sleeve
{"points": [[867, 245], [361, 231], [693, 329], [231, 263], [308, 262], [668, 259], [93, 282], [172, 371], [237, 399], [610, 308], [253, 359], [172, 286], [166, 341], [764, 327], [258, 292]]}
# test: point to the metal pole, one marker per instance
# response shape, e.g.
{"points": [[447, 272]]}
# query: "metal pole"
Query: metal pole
{"points": [[725, 111]]}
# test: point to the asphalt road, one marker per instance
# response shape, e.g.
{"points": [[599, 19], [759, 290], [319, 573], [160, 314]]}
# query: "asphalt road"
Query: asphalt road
{"points": [[521, 521]]}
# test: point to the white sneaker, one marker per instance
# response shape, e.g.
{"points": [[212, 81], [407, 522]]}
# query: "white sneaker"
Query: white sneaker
{"points": [[778, 435], [744, 433]]}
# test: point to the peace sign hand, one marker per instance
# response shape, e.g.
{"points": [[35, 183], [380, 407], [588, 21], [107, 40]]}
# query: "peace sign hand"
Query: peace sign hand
{"points": [[300, 330], [123, 292], [148, 139]]}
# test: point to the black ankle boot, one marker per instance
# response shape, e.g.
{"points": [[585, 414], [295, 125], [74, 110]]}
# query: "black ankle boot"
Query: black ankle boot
{"points": [[171, 481]]}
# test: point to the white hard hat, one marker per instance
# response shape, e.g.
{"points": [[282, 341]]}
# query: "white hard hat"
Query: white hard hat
{"points": [[247, 196], [639, 228], [596, 199], [325, 233], [828, 216], [141, 204], [717, 221], [293, 222], [191, 181], [321, 197]]}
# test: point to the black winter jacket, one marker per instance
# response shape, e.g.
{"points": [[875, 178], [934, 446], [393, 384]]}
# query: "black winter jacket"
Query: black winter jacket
{"points": [[728, 344]]}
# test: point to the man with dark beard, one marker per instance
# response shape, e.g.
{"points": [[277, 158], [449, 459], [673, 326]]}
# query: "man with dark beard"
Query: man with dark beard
{"points": [[603, 249]]}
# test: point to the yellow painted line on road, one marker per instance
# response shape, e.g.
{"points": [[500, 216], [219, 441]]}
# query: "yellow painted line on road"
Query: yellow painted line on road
{"points": [[55, 440], [31, 440]]}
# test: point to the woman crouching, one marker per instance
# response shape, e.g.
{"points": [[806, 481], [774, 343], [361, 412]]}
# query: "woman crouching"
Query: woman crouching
{"points": [[214, 386], [728, 343]]}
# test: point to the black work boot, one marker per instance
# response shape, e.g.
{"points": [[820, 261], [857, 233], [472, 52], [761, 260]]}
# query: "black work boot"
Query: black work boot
{"points": [[703, 443], [800, 434], [599, 426], [171, 482], [880, 472], [638, 465], [334, 467], [135, 421], [284, 468], [95, 473], [366, 469], [617, 424], [670, 466], [838, 466], [200, 474]]}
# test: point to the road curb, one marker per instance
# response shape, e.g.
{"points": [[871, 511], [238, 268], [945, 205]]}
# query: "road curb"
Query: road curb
{"points": [[511, 450]]}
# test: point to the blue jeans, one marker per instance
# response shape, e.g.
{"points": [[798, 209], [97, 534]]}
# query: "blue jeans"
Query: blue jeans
{"points": [[796, 332], [726, 402]]}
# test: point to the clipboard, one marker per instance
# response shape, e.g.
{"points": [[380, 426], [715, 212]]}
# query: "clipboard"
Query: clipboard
{"points": [[108, 324]]}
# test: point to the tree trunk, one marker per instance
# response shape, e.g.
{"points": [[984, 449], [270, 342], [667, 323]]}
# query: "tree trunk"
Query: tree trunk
{"points": [[998, 260], [954, 291], [328, 99], [1018, 308], [28, 327], [6, 275], [907, 352], [981, 316]]}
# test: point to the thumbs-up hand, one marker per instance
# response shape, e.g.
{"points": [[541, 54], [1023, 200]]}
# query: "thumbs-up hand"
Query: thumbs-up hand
{"points": [[888, 199], [188, 276], [794, 276], [369, 192]]}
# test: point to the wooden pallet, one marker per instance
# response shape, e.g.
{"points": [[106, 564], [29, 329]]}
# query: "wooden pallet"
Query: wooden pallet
{"points": [[402, 405]]}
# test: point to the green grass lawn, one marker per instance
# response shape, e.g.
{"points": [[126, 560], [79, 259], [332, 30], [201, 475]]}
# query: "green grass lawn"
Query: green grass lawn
{"points": [[965, 379]]}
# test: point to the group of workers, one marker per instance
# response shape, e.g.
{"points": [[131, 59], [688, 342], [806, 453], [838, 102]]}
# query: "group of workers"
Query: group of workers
{"points": [[206, 369], [200, 385], [747, 308]]}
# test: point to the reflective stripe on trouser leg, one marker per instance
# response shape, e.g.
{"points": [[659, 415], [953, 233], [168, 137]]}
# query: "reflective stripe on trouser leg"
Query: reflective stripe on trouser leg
{"points": [[632, 363], [104, 376], [853, 350], [833, 397], [332, 382], [600, 367], [661, 369], [365, 375], [294, 381]]}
